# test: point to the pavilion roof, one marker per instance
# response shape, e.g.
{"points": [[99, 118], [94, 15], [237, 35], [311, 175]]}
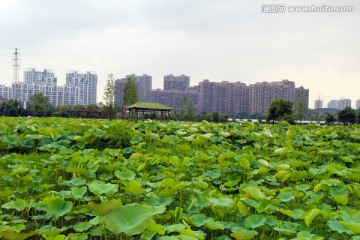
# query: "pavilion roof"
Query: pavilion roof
{"points": [[149, 105]]}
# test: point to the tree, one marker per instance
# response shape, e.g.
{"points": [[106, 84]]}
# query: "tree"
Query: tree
{"points": [[40, 106], [347, 116], [215, 117], [191, 112], [130, 93], [300, 104], [183, 106], [11, 108], [109, 96], [187, 109], [329, 119], [279, 109]]}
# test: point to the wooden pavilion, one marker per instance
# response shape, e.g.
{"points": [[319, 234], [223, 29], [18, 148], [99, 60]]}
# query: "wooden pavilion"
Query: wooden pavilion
{"points": [[142, 109]]}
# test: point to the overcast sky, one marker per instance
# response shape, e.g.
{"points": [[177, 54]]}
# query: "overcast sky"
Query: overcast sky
{"points": [[219, 40]]}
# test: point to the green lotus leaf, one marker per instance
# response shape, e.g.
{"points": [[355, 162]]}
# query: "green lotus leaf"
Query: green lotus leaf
{"points": [[213, 174], [221, 202], [263, 206], [99, 187], [287, 228], [331, 182], [57, 237], [75, 182], [134, 187], [19, 205], [49, 231], [351, 221], [6, 193], [335, 225], [105, 207], [78, 192], [311, 215], [224, 134], [7, 178], [125, 175], [286, 196], [82, 226], [129, 219], [20, 169], [327, 152], [59, 207], [242, 235], [77, 236], [155, 210], [211, 224], [343, 200], [174, 227], [303, 187], [255, 221], [281, 151], [9, 234], [355, 227], [154, 227], [198, 219], [251, 202], [339, 191], [254, 193], [12, 140], [18, 227]]}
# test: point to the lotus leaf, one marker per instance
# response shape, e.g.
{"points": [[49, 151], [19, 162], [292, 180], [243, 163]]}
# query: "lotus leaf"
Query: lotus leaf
{"points": [[59, 207], [129, 219], [99, 187], [19, 205]]}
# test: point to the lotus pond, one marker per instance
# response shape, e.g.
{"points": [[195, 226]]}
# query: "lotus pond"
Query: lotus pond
{"points": [[96, 179]]}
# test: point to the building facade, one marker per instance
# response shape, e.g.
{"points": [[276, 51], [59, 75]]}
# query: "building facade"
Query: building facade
{"points": [[143, 85], [339, 104], [80, 88], [180, 83], [87, 84], [343, 103], [358, 104], [318, 104]]}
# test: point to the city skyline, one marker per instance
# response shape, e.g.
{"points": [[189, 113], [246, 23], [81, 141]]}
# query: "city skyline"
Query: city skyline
{"points": [[180, 83], [216, 40]]}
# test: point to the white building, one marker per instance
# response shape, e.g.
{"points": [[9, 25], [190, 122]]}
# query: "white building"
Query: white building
{"points": [[80, 88], [318, 104]]}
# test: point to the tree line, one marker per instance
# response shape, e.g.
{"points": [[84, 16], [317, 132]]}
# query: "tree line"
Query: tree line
{"points": [[282, 110]]}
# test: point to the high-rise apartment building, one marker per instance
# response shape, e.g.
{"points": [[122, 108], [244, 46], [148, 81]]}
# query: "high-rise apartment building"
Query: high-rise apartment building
{"points": [[176, 88], [259, 97], [143, 85], [339, 104], [333, 104], [318, 104], [46, 77], [301, 98], [343, 103], [358, 104], [180, 83], [261, 94], [80, 88], [5, 92], [222, 97], [87, 84]]}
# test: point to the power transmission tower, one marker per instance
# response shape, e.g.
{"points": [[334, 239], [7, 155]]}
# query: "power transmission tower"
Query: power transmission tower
{"points": [[16, 66]]}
